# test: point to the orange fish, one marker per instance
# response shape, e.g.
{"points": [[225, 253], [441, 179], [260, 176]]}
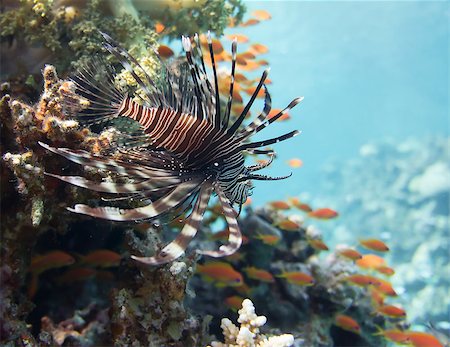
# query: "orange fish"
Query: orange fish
{"points": [[273, 112], [244, 289], [318, 245], [235, 257], [159, 28], [385, 270], [259, 274], [385, 287], [288, 225], [280, 205], [251, 21], [77, 274], [238, 77], [394, 335], [217, 46], [299, 205], [323, 213], [165, 51], [370, 261], [377, 297], [258, 48], [239, 37], [220, 272], [391, 311], [251, 90], [298, 278], [234, 302], [248, 66], [295, 163], [362, 280], [245, 56], [374, 245], [102, 258], [268, 239], [261, 14], [421, 339], [262, 62], [248, 201], [350, 253], [50, 260], [347, 323]]}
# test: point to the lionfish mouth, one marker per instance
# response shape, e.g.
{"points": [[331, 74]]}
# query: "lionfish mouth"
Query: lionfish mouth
{"points": [[188, 146]]}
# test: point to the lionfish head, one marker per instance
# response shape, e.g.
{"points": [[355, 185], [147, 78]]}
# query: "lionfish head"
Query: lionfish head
{"points": [[188, 145]]}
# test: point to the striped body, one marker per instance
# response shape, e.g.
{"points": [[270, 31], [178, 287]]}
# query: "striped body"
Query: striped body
{"points": [[187, 148]]}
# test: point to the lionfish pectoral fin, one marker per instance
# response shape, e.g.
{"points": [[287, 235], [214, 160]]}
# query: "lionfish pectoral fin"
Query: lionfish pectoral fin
{"points": [[234, 237], [178, 246]]}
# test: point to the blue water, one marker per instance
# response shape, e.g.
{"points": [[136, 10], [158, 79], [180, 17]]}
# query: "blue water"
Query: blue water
{"points": [[368, 71]]}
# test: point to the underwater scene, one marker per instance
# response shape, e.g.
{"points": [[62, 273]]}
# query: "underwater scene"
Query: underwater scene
{"points": [[224, 173]]}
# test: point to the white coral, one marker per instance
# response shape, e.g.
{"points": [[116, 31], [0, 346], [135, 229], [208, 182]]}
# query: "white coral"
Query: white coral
{"points": [[247, 335]]}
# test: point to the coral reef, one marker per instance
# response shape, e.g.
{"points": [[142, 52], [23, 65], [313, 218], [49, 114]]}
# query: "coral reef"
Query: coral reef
{"points": [[248, 333]]}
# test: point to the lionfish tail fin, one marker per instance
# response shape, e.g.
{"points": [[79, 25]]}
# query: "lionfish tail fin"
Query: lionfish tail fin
{"points": [[95, 82]]}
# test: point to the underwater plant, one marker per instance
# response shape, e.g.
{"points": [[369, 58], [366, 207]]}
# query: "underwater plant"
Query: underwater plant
{"points": [[187, 147]]}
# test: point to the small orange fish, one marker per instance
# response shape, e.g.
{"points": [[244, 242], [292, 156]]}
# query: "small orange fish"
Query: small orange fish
{"points": [[299, 205], [216, 45], [244, 289], [76, 275], [268, 239], [362, 280], [235, 257], [298, 278], [259, 274], [395, 335], [234, 302], [377, 297], [421, 339], [391, 311], [159, 28], [385, 287], [370, 261], [261, 14], [374, 245], [288, 225], [280, 205], [323, 213], [385, 270], [350, 253], [238, 77], [251, 90], [318, 245], [50, 260], [273, 112], [295, 163], [347, 323], [239, 37], [102, 258], [258, 48], [251, 21], [248, 201], [165, 51], [220, 272]]}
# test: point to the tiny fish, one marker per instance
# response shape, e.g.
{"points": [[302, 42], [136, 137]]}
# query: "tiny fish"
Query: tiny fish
{"points": [[374, 245], [323, 213], [299, 205], [50, 260], [395, 335], [248, 201], [221, 272], [239, 37], [347, 323], [261, 14], [102, 258], [362, 280], [370, 261], [421, 339], [251, 21], [385, 270], [251, 90], [258, 48], [77, 274], [280, 205], [385, 287], [391, 311], [295, 163], [165, 51], [262, 62], [244, 289], [234, 302], [267, 239], [318, 244], [159, 27], [298, 278], [259, 274], [288, 225], [377, 297], [350, 253]]}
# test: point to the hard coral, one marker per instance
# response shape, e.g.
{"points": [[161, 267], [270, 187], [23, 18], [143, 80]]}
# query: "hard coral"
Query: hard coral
{"points": [[248, 334]]}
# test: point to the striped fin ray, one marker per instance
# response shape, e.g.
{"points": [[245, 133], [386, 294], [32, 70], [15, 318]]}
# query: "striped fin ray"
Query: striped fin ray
{"points": [[155, 96], [159, 207], [269, 141], [217, 117], [235, 236], [262, 165], [248, 130], [230, 95], [178, 246]]}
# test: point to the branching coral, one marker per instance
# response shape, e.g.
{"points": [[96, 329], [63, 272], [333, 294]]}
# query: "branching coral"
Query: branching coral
{"points": [[248, 334]]}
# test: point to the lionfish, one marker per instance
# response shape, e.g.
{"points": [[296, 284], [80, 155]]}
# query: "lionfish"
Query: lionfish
{"points": [[189, 147]]}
